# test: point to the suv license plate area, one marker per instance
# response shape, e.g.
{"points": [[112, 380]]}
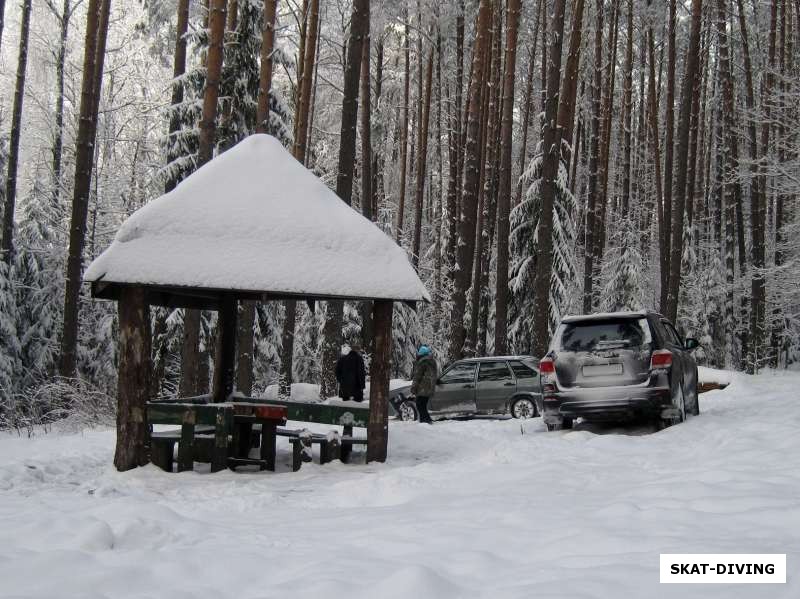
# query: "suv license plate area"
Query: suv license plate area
{"points": [[601, 369]]}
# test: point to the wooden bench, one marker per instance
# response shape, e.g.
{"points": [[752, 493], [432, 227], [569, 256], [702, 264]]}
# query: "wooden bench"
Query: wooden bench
{"points": [[331, 446], [192, 418]]}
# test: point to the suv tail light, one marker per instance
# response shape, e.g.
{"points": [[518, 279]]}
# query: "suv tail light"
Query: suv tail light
{"points": [[547, 366], [661, 358]]}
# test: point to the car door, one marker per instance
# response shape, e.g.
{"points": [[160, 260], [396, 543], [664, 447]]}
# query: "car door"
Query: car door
{"points": [[527, 376], [455, 389], [673, 343], [495, 387], [688, 364]]}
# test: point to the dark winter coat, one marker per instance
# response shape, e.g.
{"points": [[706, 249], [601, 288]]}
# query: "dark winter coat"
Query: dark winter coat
{"points": [[351, 376], [424, 377]]}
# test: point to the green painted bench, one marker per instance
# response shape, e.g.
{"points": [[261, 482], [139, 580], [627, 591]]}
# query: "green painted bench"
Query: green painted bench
{"points": [[194, 438]]}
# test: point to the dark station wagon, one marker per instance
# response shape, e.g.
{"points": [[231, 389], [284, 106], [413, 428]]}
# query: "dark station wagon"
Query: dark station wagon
{"points": [[493, 385]]}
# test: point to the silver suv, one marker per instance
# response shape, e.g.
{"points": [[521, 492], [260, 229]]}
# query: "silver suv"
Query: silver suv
{"points": [[493, 385]]}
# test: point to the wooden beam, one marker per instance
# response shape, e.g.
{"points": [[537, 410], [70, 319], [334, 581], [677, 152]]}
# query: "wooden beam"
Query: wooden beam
{"points": [[134, 379], [378, 427], [225, 363]]}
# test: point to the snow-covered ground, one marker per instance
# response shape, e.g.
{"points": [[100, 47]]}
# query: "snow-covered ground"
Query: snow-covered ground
{"points": [[481, 508]]}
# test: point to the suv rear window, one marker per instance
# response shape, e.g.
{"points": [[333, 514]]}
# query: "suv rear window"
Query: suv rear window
{"points": [[593, 335]]}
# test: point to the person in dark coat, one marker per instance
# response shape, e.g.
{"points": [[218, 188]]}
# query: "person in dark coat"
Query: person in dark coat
{"points": [[423, 381], [351, 375]]}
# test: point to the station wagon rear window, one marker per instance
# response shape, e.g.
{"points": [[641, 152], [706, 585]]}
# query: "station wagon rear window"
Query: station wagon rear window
{"points": [[599, 335], [522, 370]]}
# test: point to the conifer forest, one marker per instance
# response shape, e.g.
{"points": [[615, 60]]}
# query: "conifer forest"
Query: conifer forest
{"points": [[534, 158]]}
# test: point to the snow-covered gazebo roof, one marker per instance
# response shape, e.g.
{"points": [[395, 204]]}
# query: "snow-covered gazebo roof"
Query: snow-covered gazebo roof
{"points": [[257, 222]]}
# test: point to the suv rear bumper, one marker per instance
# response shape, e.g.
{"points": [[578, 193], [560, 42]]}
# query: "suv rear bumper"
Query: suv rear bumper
{"points": [[608, 403]]}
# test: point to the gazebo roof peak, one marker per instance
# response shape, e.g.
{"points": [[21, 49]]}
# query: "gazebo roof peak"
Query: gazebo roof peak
{"points": [[256, 220]]}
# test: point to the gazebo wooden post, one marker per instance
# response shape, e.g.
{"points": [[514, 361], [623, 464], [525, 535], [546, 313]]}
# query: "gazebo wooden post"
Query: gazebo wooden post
{"points": [[225, 367], [133, 385], [378, 425]]}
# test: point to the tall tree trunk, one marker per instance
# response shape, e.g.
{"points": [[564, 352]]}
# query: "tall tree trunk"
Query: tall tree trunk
{"points": [[627, 118], [466, 244], [93, 58], [730, 161], [550, 163], [482, 243], [61, 59], [302, 124], [178, 69], [2, 20], [377, 156], [655, 140], [192, 371], [504, 187], [592, 200], [367, 208], [359, 30], [246, 321], [422, 158], [16, 123], [404, 131], [302, 109], [744, 325], [669, 128], [569, 87], [758, 214], [599, 235], [679, 205]]}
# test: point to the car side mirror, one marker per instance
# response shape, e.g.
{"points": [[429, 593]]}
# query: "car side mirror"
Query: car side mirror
{"points": [[691, 343]]}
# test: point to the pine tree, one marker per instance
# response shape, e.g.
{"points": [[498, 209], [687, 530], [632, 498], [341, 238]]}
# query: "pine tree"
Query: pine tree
{"points": [[38, 281], [9, 341], [524, 249], [623, 271]]}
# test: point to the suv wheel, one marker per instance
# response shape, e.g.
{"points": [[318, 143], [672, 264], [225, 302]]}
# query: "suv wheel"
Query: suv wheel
{"points": [[696, 402], [407, 411], [523, 408], [679, 402]]}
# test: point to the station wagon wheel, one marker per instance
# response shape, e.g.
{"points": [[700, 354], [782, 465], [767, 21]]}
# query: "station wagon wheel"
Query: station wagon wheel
{"points": [[523, 408], [408, 411]]}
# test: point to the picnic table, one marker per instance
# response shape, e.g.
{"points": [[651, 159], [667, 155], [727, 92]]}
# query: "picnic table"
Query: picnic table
{"points": [[223, 433]]}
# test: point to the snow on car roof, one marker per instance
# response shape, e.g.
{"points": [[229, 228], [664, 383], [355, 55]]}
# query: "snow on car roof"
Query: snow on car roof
{"points": [[255, 219], [607, 315]]}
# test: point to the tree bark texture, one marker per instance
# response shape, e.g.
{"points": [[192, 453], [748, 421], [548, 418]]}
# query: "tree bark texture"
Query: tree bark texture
{"points": [[466, 243], [359, 30], [93, 57], [679, 205], [16, 124], [379, 374], [550, 163], [133, 384], [504, 186]]}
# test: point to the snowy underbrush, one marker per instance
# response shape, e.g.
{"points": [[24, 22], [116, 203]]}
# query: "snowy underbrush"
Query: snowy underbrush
{"points": [[69, 405]]}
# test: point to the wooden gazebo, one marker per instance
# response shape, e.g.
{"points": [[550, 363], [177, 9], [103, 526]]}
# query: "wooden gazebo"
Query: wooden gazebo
{"points": [[252, 224]]}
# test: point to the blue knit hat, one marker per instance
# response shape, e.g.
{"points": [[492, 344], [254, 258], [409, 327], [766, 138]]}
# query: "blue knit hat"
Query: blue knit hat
{"points": [[423, 350]]}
